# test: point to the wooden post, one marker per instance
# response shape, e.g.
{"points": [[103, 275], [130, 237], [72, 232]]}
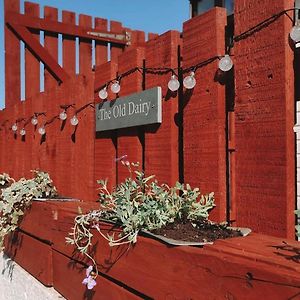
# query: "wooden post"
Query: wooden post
{"points": [[69, 46], [12, 59], [51, 45], [85, 48], [101, 48]]}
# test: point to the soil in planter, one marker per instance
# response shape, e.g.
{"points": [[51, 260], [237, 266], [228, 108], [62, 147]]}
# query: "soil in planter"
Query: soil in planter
{"points": [[196, 231]]}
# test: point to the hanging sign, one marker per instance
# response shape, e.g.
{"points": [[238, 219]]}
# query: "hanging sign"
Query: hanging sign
{"points": [[138, 109]]}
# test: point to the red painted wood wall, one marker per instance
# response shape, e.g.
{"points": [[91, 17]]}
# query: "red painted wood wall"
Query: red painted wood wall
{"points": [[264, 120], [189, 144], [204, 109]]}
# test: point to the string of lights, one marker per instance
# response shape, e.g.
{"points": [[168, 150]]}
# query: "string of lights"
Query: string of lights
{"points": [[34, 120], [189, 82]]}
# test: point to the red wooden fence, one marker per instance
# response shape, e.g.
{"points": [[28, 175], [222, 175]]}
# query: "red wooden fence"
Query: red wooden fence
{"points": [[192, 141]]}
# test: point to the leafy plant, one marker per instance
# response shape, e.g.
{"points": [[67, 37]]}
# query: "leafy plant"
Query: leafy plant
{"points": [[139, 203], [5, 180], [16, 198]]}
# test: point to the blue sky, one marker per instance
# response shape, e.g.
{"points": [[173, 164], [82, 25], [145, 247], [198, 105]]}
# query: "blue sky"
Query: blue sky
{"points": [[150, 16]]}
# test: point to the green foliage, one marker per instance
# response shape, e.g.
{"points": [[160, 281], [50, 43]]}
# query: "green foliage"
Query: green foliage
{"points": [[18, 196], [139, 203], [5, 180]]}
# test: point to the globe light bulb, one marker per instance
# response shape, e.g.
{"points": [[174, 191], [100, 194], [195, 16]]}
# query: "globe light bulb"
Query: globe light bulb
{"points": [[103, 93], [295, 33], [296, 128], [189, 81], [34, 121], [74, 121], [173, 84], [42, 130], [115, 87], [225, 63], [22, 132], [14, 127], [63, 115]]}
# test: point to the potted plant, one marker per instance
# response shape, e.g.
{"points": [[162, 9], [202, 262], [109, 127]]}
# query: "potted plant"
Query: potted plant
{"points": [[141, 205]]}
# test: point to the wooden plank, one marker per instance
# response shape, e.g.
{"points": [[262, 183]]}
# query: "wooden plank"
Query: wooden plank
{"points": [[227, 265], [32, 255], [101, 48], [137, 38], [87, 32], [21, 147], [130, 140], [105, 143], [65, 146], [41, 53], [115, 50], [83, 137], [85, 48], [9, 159], [51, 45], [161, 142], [32, 65], [40, 220], [17, 113], [37, 155], [265, 115], [48, 142], [64, 267], [152, 36], [28, 140], [52, 99], [12, 58], [204, 113], [69, 46]]}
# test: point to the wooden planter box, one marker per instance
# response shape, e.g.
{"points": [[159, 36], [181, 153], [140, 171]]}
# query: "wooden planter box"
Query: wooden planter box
{"points": [[31, 245], [32, 254], [253, 267]]}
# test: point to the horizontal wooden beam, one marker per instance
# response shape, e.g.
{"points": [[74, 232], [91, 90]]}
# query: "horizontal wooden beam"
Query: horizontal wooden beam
{"points": [[119, 38], [39, 51]]}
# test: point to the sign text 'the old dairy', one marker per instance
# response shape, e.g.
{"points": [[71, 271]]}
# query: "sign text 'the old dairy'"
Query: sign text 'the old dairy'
{"points": [[135, 110]]}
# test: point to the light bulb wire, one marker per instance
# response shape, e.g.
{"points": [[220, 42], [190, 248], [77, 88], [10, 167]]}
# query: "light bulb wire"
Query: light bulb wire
{"points": [[27, 122], [80, 109], [65, 107], [34, 116], [51, 120], [165, 70], [142, 70], [260, 26]]}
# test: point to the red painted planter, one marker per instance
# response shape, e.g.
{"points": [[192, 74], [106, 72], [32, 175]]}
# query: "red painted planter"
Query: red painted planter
{"points": [[41, 218], [252, 267], [68, 276], [33, 255]]}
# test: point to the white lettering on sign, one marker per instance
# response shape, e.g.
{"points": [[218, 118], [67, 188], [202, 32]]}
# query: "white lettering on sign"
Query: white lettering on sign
{"points": [[141, 108], [119, 111], [104, 114], [122, 110], [137, 109]]}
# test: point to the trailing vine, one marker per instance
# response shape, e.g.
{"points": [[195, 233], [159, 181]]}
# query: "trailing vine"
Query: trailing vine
{"points": [[16, 197]]}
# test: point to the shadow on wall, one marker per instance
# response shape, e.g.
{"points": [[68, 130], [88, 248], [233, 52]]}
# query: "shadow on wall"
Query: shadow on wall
{"points": [[7, 267]]}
